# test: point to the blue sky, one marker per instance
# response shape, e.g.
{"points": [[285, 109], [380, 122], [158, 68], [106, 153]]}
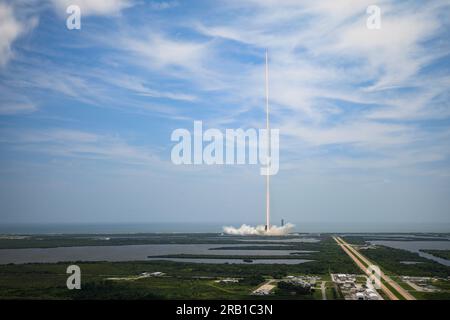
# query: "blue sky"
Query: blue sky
{"points": [[86, 115]]}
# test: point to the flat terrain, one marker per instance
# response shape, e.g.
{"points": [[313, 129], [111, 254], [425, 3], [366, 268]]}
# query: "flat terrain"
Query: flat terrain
{"points": [[444, 254], [182, 280], [389, 286]]}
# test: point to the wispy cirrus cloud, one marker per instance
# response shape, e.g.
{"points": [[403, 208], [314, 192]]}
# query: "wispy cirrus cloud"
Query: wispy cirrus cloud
{"points": [[333, 80], [11, 28], [355, 107], [77, 144], [12, 108], [97, 7]]}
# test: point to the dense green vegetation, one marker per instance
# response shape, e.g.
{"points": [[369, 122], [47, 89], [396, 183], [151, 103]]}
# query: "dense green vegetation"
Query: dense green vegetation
{"points": [[260, 247], [197, 280], [326, 254], [289, 287], [442, 285], [444, 254], [183, 280], [73, 240], [225, 256], [390, 260], [361, 239]]}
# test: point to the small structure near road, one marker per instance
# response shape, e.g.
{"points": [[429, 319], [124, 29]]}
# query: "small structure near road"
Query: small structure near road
{"points": [[143, 275], [227, 280], [295, 286], [421, 284], [309, 279], [152, 274]]}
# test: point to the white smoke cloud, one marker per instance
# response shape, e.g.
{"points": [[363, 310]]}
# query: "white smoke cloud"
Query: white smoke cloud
{"points": [[246, 230]]}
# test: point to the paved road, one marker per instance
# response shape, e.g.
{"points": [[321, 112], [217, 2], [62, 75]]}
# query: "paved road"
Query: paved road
{"points": [[385, 289], [323, 288], [386, 278]]}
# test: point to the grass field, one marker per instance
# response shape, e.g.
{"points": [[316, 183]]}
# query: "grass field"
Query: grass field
{"points": [[183, 281]]}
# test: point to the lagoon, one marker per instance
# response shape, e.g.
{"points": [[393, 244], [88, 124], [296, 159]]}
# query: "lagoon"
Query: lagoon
{"points": [[126, 253]]}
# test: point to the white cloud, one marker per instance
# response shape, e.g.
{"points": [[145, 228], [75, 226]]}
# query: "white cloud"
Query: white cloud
{"points": [[7, 108], [395, 49], [322, 59], [11, 29], [163, 5], [369, 134], [78, 144], [326, 65], [94, 7], [138, 85], [19, 17], [161, 51]]}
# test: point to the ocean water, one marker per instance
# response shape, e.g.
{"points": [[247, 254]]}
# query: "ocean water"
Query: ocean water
{"points": [[108, 228], [191, 227]]}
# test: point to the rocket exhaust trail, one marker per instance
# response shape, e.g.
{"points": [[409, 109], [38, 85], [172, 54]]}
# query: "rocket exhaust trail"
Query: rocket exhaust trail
{"points": [[266, 229], [268, 153]]}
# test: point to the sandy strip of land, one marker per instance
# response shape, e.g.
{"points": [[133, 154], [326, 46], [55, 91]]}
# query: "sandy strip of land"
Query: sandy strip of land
{"points": [[265, 288]]}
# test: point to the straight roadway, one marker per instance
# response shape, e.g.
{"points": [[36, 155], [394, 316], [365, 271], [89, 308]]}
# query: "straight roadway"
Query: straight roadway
{"points": [[362, 262], [405, 294]]}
